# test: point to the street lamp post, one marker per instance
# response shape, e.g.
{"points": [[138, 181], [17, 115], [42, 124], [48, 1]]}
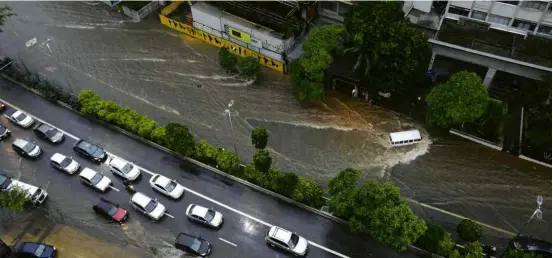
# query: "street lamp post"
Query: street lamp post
{"points": [[228, 112], [538, 212]]}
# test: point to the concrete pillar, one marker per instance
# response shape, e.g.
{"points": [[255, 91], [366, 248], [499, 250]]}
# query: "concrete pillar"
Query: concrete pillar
{"points": [[489, 77], [432, 60]]}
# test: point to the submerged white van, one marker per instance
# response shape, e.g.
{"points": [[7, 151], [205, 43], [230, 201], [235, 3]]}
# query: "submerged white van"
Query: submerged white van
{"points": [[35, 194], [405, 138]]}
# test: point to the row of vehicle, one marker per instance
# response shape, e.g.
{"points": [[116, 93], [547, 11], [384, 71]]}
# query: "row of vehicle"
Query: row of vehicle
{"points": [[276, 237]]}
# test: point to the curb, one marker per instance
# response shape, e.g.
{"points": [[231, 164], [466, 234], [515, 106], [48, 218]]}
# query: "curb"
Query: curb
{"points": [[474, 139]]}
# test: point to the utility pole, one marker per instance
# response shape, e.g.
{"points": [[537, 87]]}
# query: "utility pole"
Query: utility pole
{"points": [[228, 112], [537, 213]]}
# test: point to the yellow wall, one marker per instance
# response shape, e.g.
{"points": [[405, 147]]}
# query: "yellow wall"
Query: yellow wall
{"points": [[216, 41]]}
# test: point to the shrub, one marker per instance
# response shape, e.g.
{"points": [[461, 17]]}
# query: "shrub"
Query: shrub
{"points": [[259, 137], [435, 239], [226, 59], [146, 127], [179, 139], [262, 161], [252, 174], [309, 192], [286, 184], [519, 253], [473, 250], [248, 66], [159, 135], [206, 152], [469, 230], [228, 161], [269, 180]]}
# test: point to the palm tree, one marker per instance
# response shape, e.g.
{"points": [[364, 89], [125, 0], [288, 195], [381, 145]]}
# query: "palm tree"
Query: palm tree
{"points": [[365, 56]]}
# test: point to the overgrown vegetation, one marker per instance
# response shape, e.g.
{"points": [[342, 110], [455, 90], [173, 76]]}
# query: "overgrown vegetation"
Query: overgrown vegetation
{"points": [[5, 12], [248, 66], [227, 60], [469, 230], [13, 198]]}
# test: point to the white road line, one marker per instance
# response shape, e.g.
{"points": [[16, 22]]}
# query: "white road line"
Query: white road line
{"points": [[114, 188], [169, 215], [228, 242]]}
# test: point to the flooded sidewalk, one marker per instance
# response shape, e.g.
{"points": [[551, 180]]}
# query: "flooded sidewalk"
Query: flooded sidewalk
{"points": [[70, 242]]}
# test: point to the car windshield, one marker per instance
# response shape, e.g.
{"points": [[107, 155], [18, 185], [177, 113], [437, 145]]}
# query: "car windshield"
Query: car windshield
{"points": [[293, 241], [20, 117], [209, 215], [88, 147], [37, 194], [51, 133], [98, 152], [171, 186], [4, 182], [66, 162], [196, 244], [151, 206], [96, 179], [29, 147], [127, 168], [113, 210], [40, 250]]}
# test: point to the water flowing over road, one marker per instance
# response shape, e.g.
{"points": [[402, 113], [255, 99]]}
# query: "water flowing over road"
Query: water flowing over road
{"points": [[174, 78]]}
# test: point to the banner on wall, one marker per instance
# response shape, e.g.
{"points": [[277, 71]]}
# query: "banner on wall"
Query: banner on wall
{"points": [[239, 35]]}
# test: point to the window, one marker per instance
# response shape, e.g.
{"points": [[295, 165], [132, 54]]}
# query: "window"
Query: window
{"points": [[509, 2], [479, 15], [330, 6], [236, 33], [544, 29], [498, 19], [538, 5], [459, 10], [524, 25]]}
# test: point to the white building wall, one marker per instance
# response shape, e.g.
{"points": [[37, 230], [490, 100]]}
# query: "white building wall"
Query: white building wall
{"points": [[462, 4]]}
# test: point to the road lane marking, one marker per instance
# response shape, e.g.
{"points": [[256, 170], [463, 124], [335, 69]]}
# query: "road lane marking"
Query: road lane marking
{"points": [[114, 188], [169, 215], [228, 242]]}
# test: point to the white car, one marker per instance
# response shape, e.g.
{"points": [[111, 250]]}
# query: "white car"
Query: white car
{"points": [[124, 168], [150, 207], [286, 240], [64, 163], [95, 179], [167, 186], [21, 119], [203, 215]]}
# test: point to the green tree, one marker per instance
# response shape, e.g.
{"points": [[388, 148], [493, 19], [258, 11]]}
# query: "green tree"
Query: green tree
{"points": [[206, 152], [13, 198], [228, 161], [389, 49], [5, 12], [344, 181], [473, 250], [469, 230], [435, 239], [262, 161], [145, 127], [269, 180], [286, 183], [308, 71], [90, 102], [159, 136], [226, 59], [463, 98], [259, 137], [248, 66], [179, 139], [519, 253], [309, 192], [252, 174]]}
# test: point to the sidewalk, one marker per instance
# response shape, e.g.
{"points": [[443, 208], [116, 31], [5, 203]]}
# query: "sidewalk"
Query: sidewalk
{"points": [[71, 243]]}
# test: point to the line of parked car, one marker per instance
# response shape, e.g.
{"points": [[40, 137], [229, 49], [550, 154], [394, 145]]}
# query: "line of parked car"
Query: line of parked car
{"points": [[276, 237]]}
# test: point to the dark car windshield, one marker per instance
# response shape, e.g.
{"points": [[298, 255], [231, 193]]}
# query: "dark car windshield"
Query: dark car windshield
{"points": [[209, 215], [20, 117], [4, 182], [113, 210], [90, 148], [29, 147], [151, 206], [96, 179], [37, 194], [98, 152], [66, 162], [196, 244], [51, 133], [293, 241]]}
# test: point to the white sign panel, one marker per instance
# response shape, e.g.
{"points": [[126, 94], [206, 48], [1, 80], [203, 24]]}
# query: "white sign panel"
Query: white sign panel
{"points": [[256, 42]]}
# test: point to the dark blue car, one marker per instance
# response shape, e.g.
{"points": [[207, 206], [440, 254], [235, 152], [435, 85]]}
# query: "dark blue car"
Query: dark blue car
{"points": [[29, 249], [90, 151]]}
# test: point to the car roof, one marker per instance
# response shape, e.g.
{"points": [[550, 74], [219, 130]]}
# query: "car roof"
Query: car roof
{"points": [[84, 144], [88, 173], [58, 157], [118, 163], [17, 112], [20, 143], [185, 239], [104, 204], [162, 180], [141, 199], [280, 233], [199, 210], [44, 127]]}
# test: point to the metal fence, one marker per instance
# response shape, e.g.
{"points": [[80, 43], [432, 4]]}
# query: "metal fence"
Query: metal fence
{"points": [[143, 12]]}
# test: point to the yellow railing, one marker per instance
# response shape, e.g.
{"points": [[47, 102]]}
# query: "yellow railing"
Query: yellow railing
{"points": [[214, 40]]}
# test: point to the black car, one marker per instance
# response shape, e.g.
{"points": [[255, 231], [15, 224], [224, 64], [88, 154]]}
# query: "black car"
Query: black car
{"points": [[193, 245], [111, 211], [48, 133], [30, 249], [529, 244], [90, 151], [5, 181], [4, 132]]}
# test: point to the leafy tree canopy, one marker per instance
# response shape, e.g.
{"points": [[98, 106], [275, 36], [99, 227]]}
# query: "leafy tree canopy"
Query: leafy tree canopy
{"points": [[345, 180], [262, 161], [13, 198], [5, 12], [463, 98], [473, 250], [259, 137], [469, 230], [248, 66], [435, 239], [179, 139], [226, 59]]}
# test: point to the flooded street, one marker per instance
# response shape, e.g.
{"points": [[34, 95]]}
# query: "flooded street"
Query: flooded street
{"points": [[174, 78]]}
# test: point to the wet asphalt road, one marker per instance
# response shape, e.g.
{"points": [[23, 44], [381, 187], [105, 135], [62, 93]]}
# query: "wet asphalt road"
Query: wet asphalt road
{"points": [[156, 71], [72, 201]]}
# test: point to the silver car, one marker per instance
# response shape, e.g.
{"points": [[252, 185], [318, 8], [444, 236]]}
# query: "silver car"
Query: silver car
{"points": [[148, 206], [25, 148], [64, 163], [203, 215], [288, 241], [124, 168], [21, 119], [95, 179]]}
